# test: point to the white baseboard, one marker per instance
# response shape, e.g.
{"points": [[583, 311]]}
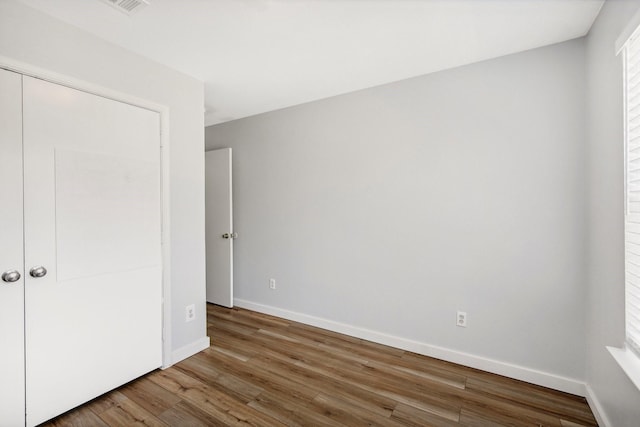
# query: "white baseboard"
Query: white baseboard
{"points": [[189, 350], [596, 408], [533, 376]]}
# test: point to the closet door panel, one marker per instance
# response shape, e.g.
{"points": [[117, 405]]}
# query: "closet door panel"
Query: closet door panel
{"points": [[92, 220], [11, 252]]}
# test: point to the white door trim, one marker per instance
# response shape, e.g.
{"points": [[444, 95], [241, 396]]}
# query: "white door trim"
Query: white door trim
{"points": [[74, 83]]}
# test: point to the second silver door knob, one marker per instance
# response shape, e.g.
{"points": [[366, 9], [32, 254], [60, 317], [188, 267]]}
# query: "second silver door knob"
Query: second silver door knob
{"points": [[38, 271]]}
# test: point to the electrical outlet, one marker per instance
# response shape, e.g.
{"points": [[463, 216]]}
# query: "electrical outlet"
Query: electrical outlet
{"points": [[461, 319], [272, 283], [190, 312]]}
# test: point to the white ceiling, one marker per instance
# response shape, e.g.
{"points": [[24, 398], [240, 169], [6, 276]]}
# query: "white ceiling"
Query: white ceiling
{"points": [[261, 55]]}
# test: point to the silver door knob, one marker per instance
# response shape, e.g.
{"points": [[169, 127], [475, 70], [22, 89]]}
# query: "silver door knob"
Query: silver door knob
{"points": [[38, 271], [10, 276], [226, 236]]}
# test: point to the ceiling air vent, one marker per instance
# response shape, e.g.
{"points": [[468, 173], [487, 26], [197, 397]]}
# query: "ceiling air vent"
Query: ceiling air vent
{"points": [[127, 6]]}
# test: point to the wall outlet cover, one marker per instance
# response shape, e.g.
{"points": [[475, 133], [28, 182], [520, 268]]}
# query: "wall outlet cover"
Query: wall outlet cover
{"points": [[461, 319], [190, 312]]}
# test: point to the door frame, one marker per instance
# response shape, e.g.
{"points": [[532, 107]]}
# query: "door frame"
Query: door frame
{"points": [[163, 110]]}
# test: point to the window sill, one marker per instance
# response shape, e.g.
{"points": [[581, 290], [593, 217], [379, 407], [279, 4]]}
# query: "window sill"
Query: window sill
{"points": [[629, 362]]}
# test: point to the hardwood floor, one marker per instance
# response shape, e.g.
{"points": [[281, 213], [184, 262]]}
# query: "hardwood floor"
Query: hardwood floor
{"points": [[266, 371]]}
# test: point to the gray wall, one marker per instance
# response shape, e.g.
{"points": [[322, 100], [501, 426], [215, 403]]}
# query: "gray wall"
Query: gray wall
{"points": [[605, 309], [393, 207], [41, 41]]}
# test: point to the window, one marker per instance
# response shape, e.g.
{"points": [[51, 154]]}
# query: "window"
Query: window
{"points": [[628, 357], [631, 55]]}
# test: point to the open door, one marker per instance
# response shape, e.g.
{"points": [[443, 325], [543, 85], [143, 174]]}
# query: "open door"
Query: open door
{"points": [[219, 227]]}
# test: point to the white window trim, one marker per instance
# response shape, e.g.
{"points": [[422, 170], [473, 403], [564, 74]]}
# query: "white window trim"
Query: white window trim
{"points": [[629, 31], [628, 359]]}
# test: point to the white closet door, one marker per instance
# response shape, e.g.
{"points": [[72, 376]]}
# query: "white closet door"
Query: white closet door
{"points": [[11, 263], [92, 220]]}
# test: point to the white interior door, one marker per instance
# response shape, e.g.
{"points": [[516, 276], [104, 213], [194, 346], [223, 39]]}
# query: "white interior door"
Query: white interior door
{"points": [[219, 227], [92, 220], [11, 253]]}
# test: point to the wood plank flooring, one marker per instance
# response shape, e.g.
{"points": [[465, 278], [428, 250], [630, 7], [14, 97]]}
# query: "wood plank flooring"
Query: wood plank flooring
{"points": [[266, 371]]}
